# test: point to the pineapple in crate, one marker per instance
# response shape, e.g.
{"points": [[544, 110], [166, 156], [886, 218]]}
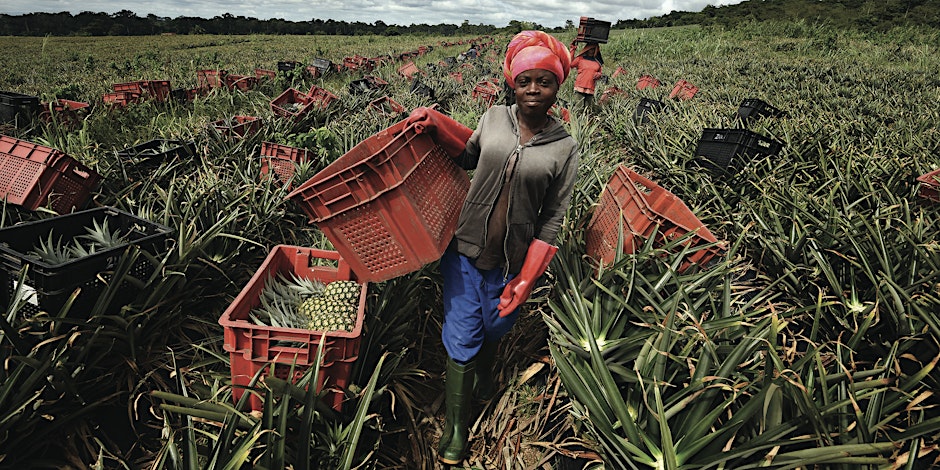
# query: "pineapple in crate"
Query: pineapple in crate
{"points": [[295, 302]]}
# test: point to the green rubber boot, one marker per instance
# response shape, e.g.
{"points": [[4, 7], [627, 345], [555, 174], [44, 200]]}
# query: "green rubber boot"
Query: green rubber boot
{"points": [[458, 388], [483, 387]]}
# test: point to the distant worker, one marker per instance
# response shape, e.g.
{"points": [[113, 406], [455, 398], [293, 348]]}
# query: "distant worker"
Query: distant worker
{"points": [[469, 54], [589, 63]]}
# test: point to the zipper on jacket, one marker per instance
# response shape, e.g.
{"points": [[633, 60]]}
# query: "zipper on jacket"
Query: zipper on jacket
{"points": [[518, 153]]}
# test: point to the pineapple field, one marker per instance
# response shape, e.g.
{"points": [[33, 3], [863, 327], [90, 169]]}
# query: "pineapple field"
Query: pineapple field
{"points": [[780, 309]]}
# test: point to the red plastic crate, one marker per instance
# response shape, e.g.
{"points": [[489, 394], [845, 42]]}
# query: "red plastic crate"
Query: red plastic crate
{"points": [[389, 205], [240, 82], [929, 185], [386, 106], [265, 73], [647, 81], [409, 70], [485, 90], [252, 347], [639, 206], [279, 160], [210, 78], [239, 126], [609, 92], [683, 90], [292, 104], [120, 98], [64, 111], [159, 90], [322, 96], [34, 176]]}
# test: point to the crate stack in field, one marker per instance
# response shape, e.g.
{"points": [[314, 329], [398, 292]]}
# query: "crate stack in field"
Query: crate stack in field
{"points": [[727, 150]]}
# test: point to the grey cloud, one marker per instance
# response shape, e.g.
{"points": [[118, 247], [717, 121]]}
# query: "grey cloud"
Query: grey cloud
{"points": [[548, 13]]}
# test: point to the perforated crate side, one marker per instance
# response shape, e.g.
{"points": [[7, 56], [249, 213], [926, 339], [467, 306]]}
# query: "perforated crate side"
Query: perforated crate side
{"points": [[389, 205], [639, 207], [281, 160], [33, 176], [71, 186], [404, 228]]}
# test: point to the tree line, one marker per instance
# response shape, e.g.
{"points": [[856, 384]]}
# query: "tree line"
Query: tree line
{"points": [[127, 23], [863, 14]]}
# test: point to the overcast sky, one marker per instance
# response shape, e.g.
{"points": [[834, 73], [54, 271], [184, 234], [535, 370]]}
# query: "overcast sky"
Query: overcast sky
{"points": [[548, 13]]}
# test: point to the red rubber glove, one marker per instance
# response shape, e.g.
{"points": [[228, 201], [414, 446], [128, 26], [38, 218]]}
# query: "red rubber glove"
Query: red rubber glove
{"points": [[518, 290], [451, 135]]}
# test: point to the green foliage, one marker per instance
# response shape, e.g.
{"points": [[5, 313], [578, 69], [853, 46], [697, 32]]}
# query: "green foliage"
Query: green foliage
{"points": [[812, 341]]}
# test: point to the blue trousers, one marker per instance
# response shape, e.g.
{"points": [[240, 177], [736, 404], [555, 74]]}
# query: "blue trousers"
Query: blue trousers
{"points": [[470, 300]]}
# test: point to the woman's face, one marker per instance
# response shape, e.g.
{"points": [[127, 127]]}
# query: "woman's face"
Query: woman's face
{"points": [[536, 90]]}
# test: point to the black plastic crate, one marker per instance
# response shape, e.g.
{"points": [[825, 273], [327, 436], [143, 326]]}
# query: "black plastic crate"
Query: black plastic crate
{"points": [[422, 89], [17, 107], [753, 108], [728, 150], [157, 150], [287, 65], [591, 30], [49, 285], [323, 65], [647, 106], [366, 84]]}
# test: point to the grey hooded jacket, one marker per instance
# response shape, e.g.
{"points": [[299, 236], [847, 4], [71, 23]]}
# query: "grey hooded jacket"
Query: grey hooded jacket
{"points": [[541, 188]]}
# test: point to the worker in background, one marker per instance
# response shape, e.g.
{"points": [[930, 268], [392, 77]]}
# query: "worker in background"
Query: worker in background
{"points": [[589, 63]]}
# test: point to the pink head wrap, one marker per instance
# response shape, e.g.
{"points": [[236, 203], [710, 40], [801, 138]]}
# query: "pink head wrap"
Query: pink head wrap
{"points": [[536, 50]]}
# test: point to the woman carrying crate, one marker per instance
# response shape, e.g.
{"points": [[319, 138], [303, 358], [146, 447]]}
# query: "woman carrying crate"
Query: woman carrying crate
{"points": [[525, 166], [589, 63]]}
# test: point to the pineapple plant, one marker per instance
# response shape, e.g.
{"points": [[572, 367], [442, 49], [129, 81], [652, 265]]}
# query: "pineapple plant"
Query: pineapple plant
{"points": [[98, 237]]}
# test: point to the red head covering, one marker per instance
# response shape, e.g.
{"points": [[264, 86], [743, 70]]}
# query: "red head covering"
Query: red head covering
{"points": [[536, 50]]}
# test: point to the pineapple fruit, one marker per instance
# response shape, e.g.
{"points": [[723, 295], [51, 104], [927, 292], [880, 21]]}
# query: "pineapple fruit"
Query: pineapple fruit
{"points": [[308, 304], [333, 310]]}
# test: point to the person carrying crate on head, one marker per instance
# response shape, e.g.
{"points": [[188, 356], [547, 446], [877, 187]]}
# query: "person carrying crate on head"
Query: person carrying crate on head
{"points": [[589, 64]]}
